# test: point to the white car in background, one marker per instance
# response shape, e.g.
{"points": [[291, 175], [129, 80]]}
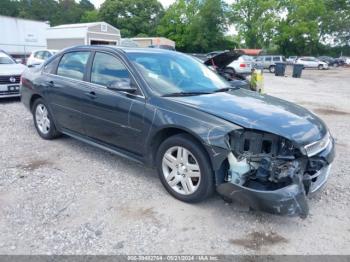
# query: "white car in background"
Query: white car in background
{"points": [[243, 65], [10, 76], [39, 56], [311, 62], [291, 60]]}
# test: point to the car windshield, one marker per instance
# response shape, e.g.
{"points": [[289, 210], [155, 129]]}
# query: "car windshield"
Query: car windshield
{"points": [[170, 72], [5, 59]]}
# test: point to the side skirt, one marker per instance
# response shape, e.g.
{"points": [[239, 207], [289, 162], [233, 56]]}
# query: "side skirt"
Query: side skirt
{"points": [[113, 150]]}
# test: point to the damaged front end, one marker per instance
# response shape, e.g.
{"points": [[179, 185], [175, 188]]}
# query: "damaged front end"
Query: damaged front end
{"points": [[271, 174]]}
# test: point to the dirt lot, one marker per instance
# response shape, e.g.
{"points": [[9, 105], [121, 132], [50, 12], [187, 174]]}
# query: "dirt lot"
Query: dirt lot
{"points": [[65, 197]]}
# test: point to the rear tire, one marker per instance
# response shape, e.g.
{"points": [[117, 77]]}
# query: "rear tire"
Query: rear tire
{"points": [[320, 67], [184, 169], [272, 69], [43, 120]]}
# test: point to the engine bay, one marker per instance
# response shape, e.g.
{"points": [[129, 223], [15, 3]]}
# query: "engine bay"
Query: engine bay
{"points": [[269, 172]]}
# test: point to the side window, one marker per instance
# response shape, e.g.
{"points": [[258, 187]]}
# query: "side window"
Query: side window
{"points": [[276, 58], [268, 58], [106, 69], [259, 58], [73, 65], [50, 68]]}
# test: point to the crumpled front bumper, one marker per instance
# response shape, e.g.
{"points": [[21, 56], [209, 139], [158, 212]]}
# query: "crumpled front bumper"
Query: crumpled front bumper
{"points": [[290, 200]]}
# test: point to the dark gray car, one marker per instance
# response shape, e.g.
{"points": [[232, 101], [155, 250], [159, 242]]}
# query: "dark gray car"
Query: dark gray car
{"points": [[168, 110]]}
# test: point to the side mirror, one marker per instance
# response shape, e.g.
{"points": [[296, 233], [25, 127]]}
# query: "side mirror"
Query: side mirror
{"points": [[122, 85], [18, 61]]}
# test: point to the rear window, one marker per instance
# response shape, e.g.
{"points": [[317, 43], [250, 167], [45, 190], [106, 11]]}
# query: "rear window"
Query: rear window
{"points": [[73, 65]]}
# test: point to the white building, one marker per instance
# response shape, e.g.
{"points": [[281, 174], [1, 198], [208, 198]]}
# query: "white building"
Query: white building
{"points": [[19, 37], [154, 41], [97, 33]]}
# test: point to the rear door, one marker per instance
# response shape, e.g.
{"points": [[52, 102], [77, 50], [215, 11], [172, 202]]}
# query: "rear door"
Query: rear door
{"points": [[114, 117], [67, 88]]}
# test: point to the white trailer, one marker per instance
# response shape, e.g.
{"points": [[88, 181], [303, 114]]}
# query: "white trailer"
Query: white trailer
{"points": [[19, 37]]}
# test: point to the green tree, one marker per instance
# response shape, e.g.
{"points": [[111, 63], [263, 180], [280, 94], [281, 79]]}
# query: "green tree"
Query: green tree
{"points": [[300, 30], [206, 32], [37, 9], [86, 5], [256, 21], [90, 16], [176, 21], [132, 17], [196, 26], [9, 8], [336, 22]]}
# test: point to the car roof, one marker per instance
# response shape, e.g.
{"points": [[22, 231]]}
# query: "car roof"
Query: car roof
{"points": [[122, 49]]}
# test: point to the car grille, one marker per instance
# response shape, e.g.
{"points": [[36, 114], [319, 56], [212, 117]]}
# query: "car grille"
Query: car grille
{"points": [[5, 80], [12, 92], [318, 146]]}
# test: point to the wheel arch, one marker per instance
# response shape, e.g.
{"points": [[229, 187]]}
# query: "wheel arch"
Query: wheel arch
{"points": [[32, 100], [161, 135]]}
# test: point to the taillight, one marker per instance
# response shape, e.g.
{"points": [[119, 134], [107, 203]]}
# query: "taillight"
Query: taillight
{"points": [[242, 65]]}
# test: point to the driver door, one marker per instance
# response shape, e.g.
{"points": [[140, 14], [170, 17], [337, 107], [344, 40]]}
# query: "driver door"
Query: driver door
{"points": [[113, 117]]}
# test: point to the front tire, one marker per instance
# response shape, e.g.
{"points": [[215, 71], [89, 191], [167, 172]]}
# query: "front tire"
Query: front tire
{"points": [[43, 120], [272, 69], [184, 169], [320, 67]]}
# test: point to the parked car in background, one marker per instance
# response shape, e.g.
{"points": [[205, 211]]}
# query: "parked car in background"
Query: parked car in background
{"points": [[220, 62], [242, 65], [327, 59], [311, 62], [10, 74], [291, 59], [39, 56], [169, 111], [269, 61], [339, 61], [345, 59]]}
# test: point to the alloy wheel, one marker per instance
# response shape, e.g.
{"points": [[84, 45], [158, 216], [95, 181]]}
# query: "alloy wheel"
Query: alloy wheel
{"points": [[42, 119], [181, 170]]}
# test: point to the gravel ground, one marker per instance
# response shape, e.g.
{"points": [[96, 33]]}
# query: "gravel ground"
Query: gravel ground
{"points": [[65, 197]]}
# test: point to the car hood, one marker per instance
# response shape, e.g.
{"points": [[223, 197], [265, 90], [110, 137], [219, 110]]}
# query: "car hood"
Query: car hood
{"points": [[12, 69], [260, 112], [223, 59]]}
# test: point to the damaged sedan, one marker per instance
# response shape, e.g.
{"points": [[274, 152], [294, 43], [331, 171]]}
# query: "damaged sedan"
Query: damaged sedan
{"points": [[168, 110]]}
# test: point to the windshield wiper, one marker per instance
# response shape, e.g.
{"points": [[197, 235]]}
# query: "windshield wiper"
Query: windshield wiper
{"points": [[186, 94], [225, 89]]}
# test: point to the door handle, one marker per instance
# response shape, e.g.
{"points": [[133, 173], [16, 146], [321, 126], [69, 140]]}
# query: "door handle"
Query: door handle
{"points": [[51, 84], [91, 94]]}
